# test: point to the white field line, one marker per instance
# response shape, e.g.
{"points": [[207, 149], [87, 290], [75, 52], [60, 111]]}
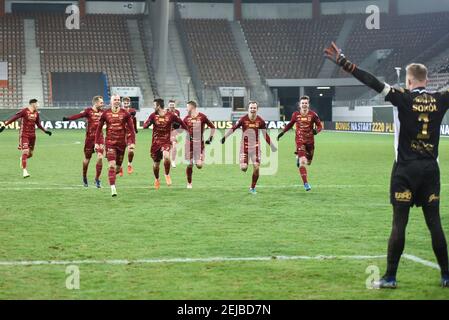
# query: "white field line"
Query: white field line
{"points": [[421, 261], [210, 259], [35, 186], [184, 260]]}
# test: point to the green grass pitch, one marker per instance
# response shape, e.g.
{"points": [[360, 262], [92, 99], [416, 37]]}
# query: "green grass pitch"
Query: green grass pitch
{"points": [[50, 216]]}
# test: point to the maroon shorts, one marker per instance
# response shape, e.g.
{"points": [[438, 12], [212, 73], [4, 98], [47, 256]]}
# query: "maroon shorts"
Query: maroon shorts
{"points": [[247, 154], [305, 150], [115, 153], [27, 142], [194, 151], [157, 151]]}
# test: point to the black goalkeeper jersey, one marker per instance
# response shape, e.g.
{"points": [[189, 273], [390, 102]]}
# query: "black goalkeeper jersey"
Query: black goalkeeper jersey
{"points": [[417, 115]]}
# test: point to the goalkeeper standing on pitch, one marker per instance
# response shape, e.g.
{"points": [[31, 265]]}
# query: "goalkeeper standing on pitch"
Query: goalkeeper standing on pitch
{"points": [[415, 179]]}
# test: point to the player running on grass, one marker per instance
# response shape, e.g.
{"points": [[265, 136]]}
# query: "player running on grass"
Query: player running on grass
{"points": [[250, 144], [132, 112], [92, 114], [174, 133], [415, 179], [118, 123], [27, 134], [162, 122], [194, 147], [308, 125]]}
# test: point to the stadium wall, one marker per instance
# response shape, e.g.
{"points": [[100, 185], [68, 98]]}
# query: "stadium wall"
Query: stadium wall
{"points": [[352, 7], [419, 6]]}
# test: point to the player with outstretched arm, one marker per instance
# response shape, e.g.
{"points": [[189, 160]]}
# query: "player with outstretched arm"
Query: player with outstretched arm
{"points": [[92, 114], [415, 178], [27, 134], [250, 144]]}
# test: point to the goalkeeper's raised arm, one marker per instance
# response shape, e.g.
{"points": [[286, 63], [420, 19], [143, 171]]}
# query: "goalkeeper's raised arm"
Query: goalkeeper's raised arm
{"points": [[335, 54]]}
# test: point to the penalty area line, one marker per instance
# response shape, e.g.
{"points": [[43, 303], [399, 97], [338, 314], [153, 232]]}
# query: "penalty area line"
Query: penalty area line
{"points": [[184, 260], [410, 257]]}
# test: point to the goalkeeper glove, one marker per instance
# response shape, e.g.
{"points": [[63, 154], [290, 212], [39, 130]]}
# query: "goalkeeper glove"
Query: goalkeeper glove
{"points": [[334, 54], [176, 125], [223, 140], [48, 132], [65, 119], [208, 141], [280, 135], [2, 128], [315, 132]]}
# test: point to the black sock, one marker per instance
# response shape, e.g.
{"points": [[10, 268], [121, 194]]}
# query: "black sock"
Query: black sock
{"points": [[439, 245], [397, 239]]}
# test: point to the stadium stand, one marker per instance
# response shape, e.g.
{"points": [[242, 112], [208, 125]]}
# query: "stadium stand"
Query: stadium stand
{"points": [[290, 48], [214, 52], [407, 36], [147, 53], [12, 50], [100, 45]]}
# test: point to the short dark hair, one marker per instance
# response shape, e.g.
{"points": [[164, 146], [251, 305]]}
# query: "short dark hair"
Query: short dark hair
{"points": [[304, 98], [126, 99], [192, 103], [32, 101], [171, 101], [159, 102]]}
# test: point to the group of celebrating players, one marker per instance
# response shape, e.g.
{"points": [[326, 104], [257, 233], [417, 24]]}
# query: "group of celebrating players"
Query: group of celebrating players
{"points": [[121, 130]]}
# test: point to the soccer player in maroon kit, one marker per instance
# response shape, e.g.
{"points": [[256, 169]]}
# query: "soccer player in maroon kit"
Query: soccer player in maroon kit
{"points": [[194, 147], [174, 133], [92, 114], [162, 122], [250, 145], [27, 135], [308, 125], [118, 123], [132, 112]]}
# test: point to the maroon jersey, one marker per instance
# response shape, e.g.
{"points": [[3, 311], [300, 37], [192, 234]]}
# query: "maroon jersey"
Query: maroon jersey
{"points": [[133, 112], [304, 126], [30, 119], [117, 124], [250, 128], [93, 118], [196, 127], [162, 126]]}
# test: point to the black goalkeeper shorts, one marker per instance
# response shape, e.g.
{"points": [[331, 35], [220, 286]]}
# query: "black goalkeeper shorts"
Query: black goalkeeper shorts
{"points": [[415, 182]]}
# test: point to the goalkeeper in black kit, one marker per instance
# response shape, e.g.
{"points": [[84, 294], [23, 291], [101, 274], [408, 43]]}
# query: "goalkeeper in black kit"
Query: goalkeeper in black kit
{"points": [[415, 178]]}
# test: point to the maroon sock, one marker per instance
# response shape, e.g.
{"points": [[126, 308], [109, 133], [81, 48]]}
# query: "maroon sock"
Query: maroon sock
{"points": [[85, 166], [303, 172], [24, 160], [98, 167], [130, 156], [156, 172], [167, 166], [255, 178], [111, 175], [189, 172]]}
